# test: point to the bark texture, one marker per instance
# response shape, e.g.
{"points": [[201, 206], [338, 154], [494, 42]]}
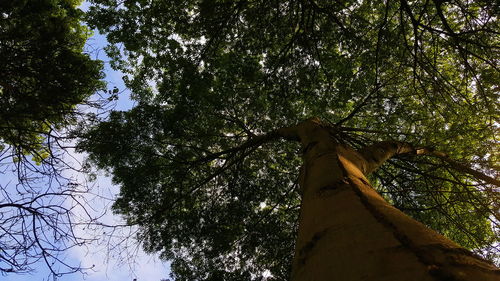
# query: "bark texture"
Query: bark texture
{"points": [[349, 232]]}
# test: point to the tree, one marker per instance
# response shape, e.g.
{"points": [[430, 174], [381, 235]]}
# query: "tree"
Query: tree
{"points": [[45, 74], [45, 78], [201, 161]]}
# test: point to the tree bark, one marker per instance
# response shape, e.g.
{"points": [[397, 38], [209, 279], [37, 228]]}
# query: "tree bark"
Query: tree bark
{"points": [[349, 232]]}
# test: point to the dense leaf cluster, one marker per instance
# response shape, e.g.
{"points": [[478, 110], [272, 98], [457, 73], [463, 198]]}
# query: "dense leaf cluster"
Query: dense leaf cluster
{"points": [[44, 72], [213, 75]]}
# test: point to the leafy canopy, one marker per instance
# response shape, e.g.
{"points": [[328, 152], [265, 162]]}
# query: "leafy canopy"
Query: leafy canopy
{"points": [[210, 75], [44, 72]]}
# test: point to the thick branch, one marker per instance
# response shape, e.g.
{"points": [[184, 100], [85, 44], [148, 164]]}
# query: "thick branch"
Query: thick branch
{"points": [[253, 142], [376, 154], [458, 166]]}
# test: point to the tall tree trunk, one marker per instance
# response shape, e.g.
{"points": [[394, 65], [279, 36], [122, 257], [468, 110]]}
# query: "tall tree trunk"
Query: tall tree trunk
{"points": [[349, 232]]}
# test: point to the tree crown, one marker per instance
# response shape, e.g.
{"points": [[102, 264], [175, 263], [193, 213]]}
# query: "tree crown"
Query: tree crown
{"points": [[212, 77]]}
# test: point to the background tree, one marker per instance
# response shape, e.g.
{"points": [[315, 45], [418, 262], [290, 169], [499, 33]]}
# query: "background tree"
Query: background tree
{"points": [[196, 170], [44, 78], [45, 74]]}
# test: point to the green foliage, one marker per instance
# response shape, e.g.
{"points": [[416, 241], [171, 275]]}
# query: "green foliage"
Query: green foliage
{"points": [[44, 72], [210, 75], [183, 203]]}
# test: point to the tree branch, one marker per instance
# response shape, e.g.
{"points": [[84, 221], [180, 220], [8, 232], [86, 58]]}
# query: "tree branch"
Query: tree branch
{"points": [[457, 166], [376, 154]]}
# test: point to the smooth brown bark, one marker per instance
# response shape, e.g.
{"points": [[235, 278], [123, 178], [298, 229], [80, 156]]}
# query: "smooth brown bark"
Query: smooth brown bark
{"points": [[349, 232]]}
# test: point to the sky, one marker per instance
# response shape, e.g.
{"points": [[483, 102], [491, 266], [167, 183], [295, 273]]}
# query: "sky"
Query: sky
{"points": [[142, 267]]}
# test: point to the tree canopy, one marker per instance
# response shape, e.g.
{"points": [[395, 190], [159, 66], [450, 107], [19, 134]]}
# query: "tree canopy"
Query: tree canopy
{"points": [[197, 172], [44, 72], [45, 76]]}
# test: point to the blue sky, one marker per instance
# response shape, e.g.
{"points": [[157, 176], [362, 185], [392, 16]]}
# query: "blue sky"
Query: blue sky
{"points": [[143, 267]]}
